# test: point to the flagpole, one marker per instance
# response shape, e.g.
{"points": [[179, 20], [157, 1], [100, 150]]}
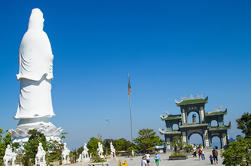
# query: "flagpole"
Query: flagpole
{"points": [[130, 106]]}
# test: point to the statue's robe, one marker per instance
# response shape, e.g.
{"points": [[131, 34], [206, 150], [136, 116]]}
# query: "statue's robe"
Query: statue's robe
{"points": [[35, 71]]}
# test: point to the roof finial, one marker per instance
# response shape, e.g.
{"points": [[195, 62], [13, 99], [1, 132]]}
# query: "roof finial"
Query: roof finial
{"points": [[219, 108]]}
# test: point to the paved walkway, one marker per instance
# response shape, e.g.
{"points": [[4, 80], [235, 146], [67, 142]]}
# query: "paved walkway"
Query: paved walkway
{"points": [[163, 162]]}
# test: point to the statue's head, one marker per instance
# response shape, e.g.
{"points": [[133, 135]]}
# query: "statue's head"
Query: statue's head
{"points": [[8, 146], [40, 144], [36, 21]]}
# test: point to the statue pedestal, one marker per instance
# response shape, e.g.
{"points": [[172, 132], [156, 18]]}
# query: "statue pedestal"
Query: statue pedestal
{"points": [[40, 124], [86, 160]]}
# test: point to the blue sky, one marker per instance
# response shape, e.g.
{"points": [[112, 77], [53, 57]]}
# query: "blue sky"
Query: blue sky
{"points": [[170, 48]]}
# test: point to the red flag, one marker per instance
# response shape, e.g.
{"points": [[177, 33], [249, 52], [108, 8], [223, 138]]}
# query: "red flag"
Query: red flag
{"points": [[129, 85]]}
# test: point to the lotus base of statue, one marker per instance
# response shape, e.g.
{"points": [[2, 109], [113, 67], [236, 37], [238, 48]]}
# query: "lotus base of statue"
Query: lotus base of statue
{"points": [[42, 125]]}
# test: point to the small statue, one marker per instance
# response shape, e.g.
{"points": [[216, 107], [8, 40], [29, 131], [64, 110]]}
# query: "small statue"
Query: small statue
{"points": [[65, 155], [100, 150], [9, 156], [84, 157], [85, 152], [133, 153], [194, 118], [40, 156], [113, 151]]}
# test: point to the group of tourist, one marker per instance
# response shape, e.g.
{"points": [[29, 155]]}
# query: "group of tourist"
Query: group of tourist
{"points": [[199, 150], [146, 159], [214, 156], [196, 150]]}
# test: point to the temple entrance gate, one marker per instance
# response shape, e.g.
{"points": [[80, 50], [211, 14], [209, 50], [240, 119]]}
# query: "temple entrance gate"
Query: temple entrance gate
{"points": [[202, 125]]}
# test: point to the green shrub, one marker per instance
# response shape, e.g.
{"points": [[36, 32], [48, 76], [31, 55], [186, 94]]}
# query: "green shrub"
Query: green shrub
{"points": [[97, 159], [178, 154]]}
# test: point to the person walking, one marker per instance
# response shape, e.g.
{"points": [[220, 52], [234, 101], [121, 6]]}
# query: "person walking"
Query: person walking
{"points": [[202, 155], [148, 158], [143, 161], [215, 155], [156, 158], [211, 159], [199, 153], [194, 151]]}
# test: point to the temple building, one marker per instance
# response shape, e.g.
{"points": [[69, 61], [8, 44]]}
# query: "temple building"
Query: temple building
{"points": [[203, 126]]}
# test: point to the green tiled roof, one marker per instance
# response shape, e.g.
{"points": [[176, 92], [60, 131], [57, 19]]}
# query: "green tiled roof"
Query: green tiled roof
{"points": [[174, 132], [171, 117], [194, 125], [216, 113], [192, 101], [219, 128]]}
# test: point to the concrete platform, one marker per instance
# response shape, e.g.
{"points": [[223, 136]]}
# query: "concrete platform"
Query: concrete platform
{"points": [[163, 161]]}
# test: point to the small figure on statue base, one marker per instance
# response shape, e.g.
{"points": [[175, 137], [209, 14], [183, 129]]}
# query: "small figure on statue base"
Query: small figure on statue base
{"points": [[100, 150], [194, 118], [40, 156], [113, 151], [133, 153], [84, 157], [9, 157], [65, 155]]}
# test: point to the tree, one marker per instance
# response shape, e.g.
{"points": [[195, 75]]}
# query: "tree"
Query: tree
{"points": [[188, 148], [238, 152], [244, 123], [55, 150], [106, 144], [92, 145], [122, 144], [30, 147], [177, 144], [5, 139], [146, 140], [80, 150]]}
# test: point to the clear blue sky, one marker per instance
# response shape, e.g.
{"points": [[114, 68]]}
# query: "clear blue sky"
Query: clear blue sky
{"points": [[170, 48]]}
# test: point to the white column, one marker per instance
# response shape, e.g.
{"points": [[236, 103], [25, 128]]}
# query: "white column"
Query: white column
{"points": [[184, 137], [168, 146], [206, 141], [224, 140], [183, 116], [202, 114]]}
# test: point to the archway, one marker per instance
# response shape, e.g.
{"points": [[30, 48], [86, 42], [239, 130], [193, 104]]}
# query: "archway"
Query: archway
{"points": [[193, 117], [196, 139], [216, 142], [175, 127], [214, 123]]}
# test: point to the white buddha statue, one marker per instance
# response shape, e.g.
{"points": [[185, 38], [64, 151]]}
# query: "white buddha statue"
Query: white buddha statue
{"points": [[35, 71], [35, 74]]}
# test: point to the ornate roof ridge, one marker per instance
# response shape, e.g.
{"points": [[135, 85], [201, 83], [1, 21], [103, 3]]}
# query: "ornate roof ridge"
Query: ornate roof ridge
{"points": [[186, 101], [217, 112]]}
